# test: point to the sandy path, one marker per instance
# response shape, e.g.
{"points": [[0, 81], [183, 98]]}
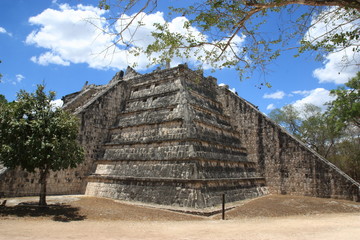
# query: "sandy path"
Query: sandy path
{"points": [[317, 227]]}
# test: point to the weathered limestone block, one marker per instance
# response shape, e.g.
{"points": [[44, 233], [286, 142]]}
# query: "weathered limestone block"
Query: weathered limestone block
{"points": [[165, 131], [154, 88], [208, 132], [206, 104], [211, 118], [157, 101], [196, 194], [154, 152], [184, 169], [149, 117], [154, 169]]}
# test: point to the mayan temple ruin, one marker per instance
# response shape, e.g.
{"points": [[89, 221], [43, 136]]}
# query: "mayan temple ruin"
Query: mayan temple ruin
{"points": [[174, 137]]}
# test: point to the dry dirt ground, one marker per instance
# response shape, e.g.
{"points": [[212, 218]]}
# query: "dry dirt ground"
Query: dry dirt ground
{"points": [[269, 217]]}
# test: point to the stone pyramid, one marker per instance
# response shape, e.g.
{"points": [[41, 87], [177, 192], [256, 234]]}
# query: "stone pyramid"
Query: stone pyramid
{"points": [[176, 138], [173, 144]]}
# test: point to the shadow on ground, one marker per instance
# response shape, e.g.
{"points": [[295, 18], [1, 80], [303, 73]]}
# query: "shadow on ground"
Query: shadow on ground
{"points": [[57, 212], [70, 208]]}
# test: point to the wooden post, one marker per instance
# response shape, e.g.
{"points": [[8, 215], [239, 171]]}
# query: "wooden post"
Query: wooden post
{"points": [[223, 206]]}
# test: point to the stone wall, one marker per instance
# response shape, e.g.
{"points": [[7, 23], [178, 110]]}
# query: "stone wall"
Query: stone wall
{"points": [[287, 164]]}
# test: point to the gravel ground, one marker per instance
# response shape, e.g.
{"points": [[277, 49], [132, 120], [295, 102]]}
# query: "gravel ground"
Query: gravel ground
{"points": [[269, 217]]}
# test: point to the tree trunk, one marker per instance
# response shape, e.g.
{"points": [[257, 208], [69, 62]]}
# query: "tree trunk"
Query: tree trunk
{"points": [[43, 180]]}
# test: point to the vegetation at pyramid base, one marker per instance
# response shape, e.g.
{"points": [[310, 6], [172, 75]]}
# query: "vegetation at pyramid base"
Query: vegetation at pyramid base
{"points": [[38, 137]]}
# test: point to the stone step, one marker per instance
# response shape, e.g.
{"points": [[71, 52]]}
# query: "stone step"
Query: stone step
{"points": [[154, 88], [198, 169], [173, 135], [152, 101], [149, 117], [248, 181], [188, 148]]}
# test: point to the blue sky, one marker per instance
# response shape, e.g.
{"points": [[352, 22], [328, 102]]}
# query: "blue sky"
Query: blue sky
{"points": [[43, 41]]}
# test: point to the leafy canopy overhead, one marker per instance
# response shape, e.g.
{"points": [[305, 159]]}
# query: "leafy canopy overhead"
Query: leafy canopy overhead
{"points": [[240, 34]]}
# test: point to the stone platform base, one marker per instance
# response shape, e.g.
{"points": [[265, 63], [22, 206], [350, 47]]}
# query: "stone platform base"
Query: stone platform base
{"points": [[198, 194]]}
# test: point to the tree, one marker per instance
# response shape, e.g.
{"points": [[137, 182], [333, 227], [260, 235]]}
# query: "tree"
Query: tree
{"points": [[288, 117], [346, 154], [309, 125], [344, 112], [2, 99], [345, 109], [234, 30], [320, 132], [38, 137]]}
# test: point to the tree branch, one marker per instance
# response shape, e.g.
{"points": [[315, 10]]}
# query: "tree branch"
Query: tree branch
{"points": [[340, 3]]}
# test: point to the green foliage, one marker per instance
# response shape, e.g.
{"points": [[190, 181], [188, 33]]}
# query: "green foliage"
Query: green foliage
{"points": [[345, 109], [309, 125], [222, 22], [2, 99], [338, 36], [36, 136], [288, 117], [103, 5], [347, 156], [320, 132]]}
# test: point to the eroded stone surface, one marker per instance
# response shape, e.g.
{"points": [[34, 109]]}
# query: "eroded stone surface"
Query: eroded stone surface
{"points": [[173, 137]]}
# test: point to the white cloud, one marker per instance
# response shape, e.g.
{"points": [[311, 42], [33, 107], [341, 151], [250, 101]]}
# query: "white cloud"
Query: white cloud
{"points": [[17, 80], [302, 92], [57, 103], [3, 31], [343, 63], [139, 36], [227, 86], [318, 97], [275, 95], [70, 35], [73, 35], [19, 77], [334, 70], [270, 107], [49, 58]]}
